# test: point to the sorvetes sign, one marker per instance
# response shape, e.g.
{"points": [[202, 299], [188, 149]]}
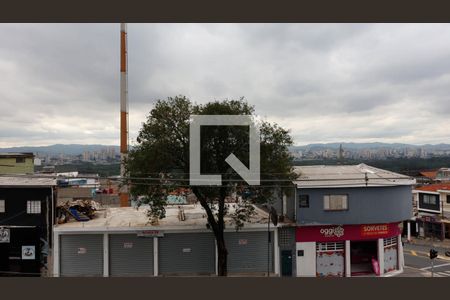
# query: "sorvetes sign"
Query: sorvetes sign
{"points": [[374, 230]]}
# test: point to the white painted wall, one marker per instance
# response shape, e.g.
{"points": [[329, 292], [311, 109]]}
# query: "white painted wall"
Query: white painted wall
{"points": [[381, 256], [348, 269], [55, 254], [306, 264], [400, 257], [105, 255]]}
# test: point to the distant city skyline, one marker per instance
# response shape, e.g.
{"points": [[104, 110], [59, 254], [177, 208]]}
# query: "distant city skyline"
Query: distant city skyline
{"points": [[325, 82]]}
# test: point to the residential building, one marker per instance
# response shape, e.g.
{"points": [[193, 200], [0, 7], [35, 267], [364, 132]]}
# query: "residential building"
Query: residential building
{"points": [[26, 215], [433, 211], [348, 220], [16, 163]]}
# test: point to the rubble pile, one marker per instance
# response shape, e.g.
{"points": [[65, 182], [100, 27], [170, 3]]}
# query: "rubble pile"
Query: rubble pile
{"points": [[80, 210]]}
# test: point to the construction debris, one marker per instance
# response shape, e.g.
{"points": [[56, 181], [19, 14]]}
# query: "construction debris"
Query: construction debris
{"points": [[80, 210]]}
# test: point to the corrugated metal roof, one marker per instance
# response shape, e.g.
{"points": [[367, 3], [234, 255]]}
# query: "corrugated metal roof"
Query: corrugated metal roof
{"points": [[321, 176], [26, 181]]}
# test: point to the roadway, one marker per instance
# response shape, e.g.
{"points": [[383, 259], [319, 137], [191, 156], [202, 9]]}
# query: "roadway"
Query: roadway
{"points": [[417, 257]]}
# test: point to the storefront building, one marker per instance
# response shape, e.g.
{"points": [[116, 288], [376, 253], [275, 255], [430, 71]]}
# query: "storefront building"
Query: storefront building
{"points": [[124, 244], [348, 220], [432, 218], [348, 250]]}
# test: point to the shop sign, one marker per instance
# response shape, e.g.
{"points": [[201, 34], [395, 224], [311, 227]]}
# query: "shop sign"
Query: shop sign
{"points": [[82, 250], [346, 232], [127, 245], [429, 219], [374, 230], [329, 232], [4, 235], [28, 252], [150, 233]]}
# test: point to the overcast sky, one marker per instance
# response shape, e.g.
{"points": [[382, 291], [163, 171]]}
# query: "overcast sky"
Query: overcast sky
{"points": [[325, 82]]}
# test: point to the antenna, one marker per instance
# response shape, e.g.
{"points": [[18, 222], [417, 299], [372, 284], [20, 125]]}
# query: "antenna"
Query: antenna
{"points": [[123, 194]]}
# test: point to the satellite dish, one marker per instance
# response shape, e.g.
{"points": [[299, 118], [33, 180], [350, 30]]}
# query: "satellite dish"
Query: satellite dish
{"points": [[273, 216]]}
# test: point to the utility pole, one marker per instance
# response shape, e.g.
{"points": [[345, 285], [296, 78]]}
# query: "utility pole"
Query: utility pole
{"points": [[123, 193]]}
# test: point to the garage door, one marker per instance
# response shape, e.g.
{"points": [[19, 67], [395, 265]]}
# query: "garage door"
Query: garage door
{"points": [[248, 252], [187, 253], [81, 255], [130, 255]]}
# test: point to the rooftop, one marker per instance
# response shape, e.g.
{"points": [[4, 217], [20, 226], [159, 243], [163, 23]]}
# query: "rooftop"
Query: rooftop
{"points": [[26, 181], [16, 154], [321, 176], [429, 174], [434, 187], [136, 218]]}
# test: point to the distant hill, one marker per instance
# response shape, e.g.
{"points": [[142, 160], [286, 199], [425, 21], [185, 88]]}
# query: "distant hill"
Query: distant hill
{"points": [[69, 149], [77, 149]]}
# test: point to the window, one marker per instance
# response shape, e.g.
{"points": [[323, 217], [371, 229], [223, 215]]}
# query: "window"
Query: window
{"points": [[448, 198], [303, 200], [20, 160], [33, 207], [335, 202], [390, 242], [333, 246], [2, 206], [430, 199], [285, 238]]}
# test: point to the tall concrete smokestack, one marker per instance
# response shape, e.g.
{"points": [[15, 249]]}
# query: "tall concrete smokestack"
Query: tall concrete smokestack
{"points": [[123, 110]]}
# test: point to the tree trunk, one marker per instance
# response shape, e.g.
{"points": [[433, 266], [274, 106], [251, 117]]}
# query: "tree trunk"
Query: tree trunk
{"points": [[222, 256]]}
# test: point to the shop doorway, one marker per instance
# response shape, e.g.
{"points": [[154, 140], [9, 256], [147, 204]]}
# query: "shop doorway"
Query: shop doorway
{"points": [[286, 263], [361, 254]]}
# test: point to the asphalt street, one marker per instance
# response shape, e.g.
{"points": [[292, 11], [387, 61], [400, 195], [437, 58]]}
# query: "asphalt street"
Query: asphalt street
{"points": [[417, 257]]}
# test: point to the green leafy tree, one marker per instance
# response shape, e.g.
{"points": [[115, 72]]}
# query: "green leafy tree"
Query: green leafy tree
{"points": [[159, 163]]}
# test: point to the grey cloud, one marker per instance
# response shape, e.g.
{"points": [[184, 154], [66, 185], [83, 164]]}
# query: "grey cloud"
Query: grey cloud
{"points": [[67, 75]]}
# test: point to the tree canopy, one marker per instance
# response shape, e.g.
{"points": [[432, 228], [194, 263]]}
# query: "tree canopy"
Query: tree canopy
{"points": [[159, 163]]}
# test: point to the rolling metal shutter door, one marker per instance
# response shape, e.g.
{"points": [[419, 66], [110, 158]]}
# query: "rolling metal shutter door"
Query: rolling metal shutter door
{"points": [[187, 253], [130, 255], [247, 252], [81, 255]]}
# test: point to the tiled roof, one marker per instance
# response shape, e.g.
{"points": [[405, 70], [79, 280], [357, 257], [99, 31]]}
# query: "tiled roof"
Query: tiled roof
{"points": [[429, 174], [434, 187]]}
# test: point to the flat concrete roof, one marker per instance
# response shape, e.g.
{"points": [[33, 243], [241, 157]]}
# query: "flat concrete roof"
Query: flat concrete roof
{"points": [[124, 218], [15, 154], [26, 181], [321, 176]]}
